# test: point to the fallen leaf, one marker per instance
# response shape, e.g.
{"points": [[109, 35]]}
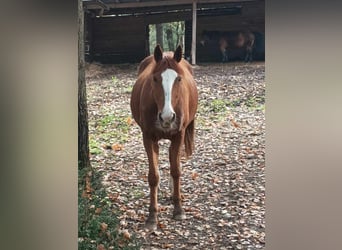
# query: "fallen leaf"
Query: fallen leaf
{"points": [[113, 197], [194, 175], [144, 177], [198, 216], [117, 147], [98, 210], [121, 243], [162, 208], [215, 179], [88, 189], [161, 225], [85, 194], [101, 247], [182, 197], [167, 245], [129, 121], [235, 124], [103, 226], [141, 218], [126, 235]]}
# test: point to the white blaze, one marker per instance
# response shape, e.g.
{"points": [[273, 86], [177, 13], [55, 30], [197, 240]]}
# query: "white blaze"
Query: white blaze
{"points": [[168, 78]]}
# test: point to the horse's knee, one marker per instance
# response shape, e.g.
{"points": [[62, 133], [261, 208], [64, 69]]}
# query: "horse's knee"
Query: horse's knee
{"points": [[153, 179], [175, 172]]}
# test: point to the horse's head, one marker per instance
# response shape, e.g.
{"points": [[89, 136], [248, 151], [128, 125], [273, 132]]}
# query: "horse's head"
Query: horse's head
{"points": [[166, 87]]}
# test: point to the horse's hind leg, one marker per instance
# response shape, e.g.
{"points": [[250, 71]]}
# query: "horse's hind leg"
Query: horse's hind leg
{"points": [[174, 155], [152, 150], [249, 51], [248, 57]]}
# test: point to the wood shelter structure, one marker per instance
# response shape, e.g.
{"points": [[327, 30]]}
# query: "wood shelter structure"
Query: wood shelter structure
{"points": [[116, 31]]}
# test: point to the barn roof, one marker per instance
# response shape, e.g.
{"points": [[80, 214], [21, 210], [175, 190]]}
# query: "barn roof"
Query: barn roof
{"points": [[146, 7]]}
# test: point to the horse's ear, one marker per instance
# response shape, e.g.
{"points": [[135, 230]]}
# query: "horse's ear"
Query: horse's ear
{"points": [[178, 54], [158, 53]]}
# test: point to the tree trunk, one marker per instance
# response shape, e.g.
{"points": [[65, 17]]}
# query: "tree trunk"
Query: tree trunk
{"points": [[178, 34], [159, 34], [83, 143], [182, 32], [169, 38]]}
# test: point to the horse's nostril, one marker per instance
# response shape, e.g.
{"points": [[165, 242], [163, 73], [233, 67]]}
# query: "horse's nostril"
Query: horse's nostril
{"points": [[173, 116], [160, 117]]}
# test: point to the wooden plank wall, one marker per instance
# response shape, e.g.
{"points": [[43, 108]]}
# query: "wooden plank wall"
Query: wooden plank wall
{"points": [[252, 17], [119, 40]]}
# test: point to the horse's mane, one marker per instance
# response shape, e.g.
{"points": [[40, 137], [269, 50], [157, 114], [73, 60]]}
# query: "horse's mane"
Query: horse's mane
{"points": [[148, 61]]}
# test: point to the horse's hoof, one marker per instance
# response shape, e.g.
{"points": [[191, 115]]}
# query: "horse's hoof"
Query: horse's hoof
{"points": [[179, 216], [151, 226]]}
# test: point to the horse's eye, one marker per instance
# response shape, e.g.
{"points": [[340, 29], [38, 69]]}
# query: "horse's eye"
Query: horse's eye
{"points": [[155, 79], [178, 79]]}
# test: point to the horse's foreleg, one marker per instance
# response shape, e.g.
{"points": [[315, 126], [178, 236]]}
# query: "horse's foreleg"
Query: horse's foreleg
{"points": [[224, 56], [249, 52], [175, 168], [152, 150], [248, 56]]}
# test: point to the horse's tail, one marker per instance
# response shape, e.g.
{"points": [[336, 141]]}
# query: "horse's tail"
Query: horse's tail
{"points": [[189, 138]]}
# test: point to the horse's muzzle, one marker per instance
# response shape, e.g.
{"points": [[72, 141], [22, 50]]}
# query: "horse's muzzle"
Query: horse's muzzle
{"points": [[166, 121]]}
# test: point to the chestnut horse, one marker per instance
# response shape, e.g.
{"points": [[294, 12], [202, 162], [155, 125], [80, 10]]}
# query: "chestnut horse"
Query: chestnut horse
{"points": [[164, 103], [232, 40]]}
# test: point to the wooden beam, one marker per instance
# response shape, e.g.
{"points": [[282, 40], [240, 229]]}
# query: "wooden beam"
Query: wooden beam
{"points": [[140, 4], [194, 24], [102, 4], [95, 4]]}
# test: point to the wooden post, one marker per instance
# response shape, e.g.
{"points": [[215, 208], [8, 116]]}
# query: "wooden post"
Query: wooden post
{"points": [[194, 22]]}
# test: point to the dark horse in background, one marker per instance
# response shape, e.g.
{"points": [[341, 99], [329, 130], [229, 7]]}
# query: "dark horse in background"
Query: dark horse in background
{"points": [[164, 103], [229, 41]]}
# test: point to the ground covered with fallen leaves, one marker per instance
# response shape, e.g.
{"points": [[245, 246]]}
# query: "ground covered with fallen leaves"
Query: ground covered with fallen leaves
{"points": [[223, 183]]}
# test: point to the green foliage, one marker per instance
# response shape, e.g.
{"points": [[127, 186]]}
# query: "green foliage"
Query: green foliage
{"points": [[94, 148], [114, 79], [221, 105], [114, 127], [173, 35], [107, 120], [218, 105], [137, 194], [127, 90], [256, 102], [90, 230]]}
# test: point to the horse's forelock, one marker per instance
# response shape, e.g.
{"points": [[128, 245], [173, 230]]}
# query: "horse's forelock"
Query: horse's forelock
{"points": [[168, 62]]}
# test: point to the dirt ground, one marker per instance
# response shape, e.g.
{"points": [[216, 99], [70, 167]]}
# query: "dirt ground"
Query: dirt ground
{"points": [[223, 183]]}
